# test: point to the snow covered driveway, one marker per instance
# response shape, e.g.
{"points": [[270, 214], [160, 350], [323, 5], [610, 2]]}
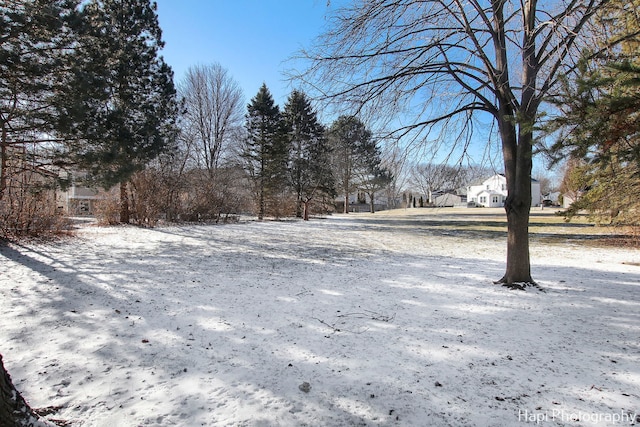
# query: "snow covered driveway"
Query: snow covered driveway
{"points": [[346, 321]]}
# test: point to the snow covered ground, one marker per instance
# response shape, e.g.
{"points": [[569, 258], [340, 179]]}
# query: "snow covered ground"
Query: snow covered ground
{"points": [[357, 320]]}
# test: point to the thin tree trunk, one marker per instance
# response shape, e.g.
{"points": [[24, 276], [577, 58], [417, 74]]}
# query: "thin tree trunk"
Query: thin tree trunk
{"points": [[261, 207], [124, 203], [371, 203], [14, 410], [346, 201], [3, 162], [300, 207], [306, 210]]}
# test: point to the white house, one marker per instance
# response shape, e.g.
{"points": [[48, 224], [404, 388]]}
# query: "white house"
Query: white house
{"points": [[492, 192], [448, 199], [78, 200], [360, 201]]}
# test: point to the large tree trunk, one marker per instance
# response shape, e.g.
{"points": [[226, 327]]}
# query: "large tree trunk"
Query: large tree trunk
{"points": [[517, 153], [14, 410], [515, 124], [518, 271], [517, 160]]}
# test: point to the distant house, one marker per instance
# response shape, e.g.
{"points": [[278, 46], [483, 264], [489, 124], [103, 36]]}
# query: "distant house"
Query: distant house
{"points": [[551, 199], [492, 192], [360, 202], [78, 200], [449, 199]]}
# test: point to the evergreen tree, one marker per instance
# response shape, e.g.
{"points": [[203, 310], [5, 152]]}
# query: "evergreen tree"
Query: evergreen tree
{"points": [[34, 35], [265, 150], [350, 141], [600, 132], [370, 175], [598, 126], [309, 172], [123, 108]]}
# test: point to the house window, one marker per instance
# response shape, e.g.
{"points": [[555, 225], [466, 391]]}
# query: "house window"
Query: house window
{"points": [[487, 187], [483, 199], [494, 199], [503, 187]]}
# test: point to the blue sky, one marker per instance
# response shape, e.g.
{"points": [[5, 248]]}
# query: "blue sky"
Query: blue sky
{"points": [[250, 38], [253, 39]]}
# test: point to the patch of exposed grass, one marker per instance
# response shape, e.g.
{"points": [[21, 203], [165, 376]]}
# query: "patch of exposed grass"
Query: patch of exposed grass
{"points": [[547, 226]]}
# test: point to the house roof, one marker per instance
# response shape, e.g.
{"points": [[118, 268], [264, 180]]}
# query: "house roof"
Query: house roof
{"points": [[483, 180], [492, 192]]}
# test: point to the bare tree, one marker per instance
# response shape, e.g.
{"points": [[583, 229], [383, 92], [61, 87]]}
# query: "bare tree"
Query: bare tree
{"points": [[350, 140], [211, 129], [393, 160], [430, 177], [444, 64], [214, 112]]}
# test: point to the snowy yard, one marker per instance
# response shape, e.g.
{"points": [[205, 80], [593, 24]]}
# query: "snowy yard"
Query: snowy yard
{"points": [[376, 320]]}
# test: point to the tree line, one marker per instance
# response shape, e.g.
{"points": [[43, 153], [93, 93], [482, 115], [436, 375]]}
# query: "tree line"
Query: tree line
{"points": [[87, 99], [83, 88]]}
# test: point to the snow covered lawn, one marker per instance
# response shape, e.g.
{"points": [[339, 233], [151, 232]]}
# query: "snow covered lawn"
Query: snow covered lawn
{"points": [[375, 320]]}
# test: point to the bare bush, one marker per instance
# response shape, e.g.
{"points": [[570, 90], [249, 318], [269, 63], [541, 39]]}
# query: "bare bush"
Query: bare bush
{"points": [[28, 209], [281, 205], [213, 198], [148, 197], [107, 208]]}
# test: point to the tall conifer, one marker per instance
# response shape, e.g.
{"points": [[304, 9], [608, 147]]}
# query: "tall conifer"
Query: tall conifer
{"points": [[34, 36], [124, 106], [309, 172], [598, 126], [265, 150], [350, 141]]}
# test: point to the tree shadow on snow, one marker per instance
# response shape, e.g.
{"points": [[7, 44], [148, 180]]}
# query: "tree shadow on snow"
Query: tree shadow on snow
{"points": [[216, 326]]}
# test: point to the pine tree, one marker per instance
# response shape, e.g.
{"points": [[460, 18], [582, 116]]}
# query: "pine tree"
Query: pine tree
{"points": [[34, 35], [309, 172], [599, 126], [349, 140], [600, 132], [370, 175], [123, 108], [265, 151]]}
